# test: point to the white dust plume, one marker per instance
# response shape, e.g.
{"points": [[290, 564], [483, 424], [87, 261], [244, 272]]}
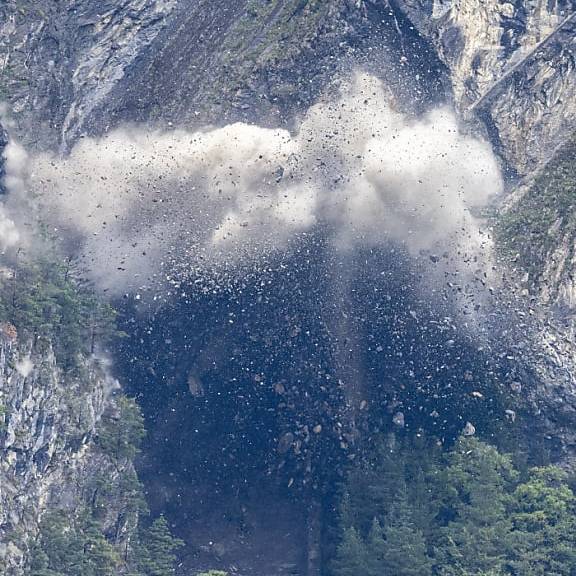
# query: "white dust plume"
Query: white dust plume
{"points": [[137, 201]]}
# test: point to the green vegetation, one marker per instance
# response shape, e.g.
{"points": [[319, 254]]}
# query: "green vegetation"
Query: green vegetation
{"points": [[124, 490], [413, 510], [544, 218], [6, 79], [281, 27], [80, 541], [157, 550], [264, 40], [75, 548], [78, 547], [48, 301], [122, 431]]}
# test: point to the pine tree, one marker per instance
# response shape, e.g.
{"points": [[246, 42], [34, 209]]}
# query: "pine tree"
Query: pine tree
{"points": [[371, 488], [121, 433], [158, 549], [423, 498], [401, 544], [72, 547], [477, 539], [346, 516], [376, 549], [352, 556], [100, 558], [544, 518], [59, 544]]}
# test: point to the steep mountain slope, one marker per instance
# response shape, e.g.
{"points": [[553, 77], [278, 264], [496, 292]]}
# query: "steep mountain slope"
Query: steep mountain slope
{"points": [[79, 67], [84, 67], [537, 228], [72, 68]]}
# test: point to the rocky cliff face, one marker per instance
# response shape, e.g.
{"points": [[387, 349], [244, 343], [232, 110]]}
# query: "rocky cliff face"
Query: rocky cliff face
{"points": [[49, 457], [82, 67], [60, 60], [78, 66], [512, 66]]}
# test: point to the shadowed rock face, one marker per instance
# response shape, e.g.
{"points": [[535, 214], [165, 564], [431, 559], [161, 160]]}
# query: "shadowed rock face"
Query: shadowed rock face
{"points": [[221, 62], [297, 368]]}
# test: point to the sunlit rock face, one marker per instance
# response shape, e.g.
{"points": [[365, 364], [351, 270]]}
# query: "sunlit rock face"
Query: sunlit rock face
{"points": [[512, 65], [48, 456]]}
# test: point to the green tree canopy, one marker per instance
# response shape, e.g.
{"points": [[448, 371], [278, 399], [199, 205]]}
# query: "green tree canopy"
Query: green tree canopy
{"points": [[468, 513], [158, 549]]}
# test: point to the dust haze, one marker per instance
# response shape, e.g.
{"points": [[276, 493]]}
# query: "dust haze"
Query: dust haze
{"points": [[139, 202]]}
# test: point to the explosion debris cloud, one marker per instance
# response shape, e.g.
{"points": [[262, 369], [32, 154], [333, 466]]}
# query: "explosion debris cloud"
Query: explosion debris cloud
{"points": [[138, 199]]}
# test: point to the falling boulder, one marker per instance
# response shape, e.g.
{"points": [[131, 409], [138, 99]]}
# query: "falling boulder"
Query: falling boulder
{"points": [[195, 386], [511, 415], [399, 420], [469, 429], [285, 443]]}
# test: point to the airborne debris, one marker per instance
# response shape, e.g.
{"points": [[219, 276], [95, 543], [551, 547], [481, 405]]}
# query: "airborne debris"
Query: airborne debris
{"points": [[285, 442], [511, 415], [398, 419]]}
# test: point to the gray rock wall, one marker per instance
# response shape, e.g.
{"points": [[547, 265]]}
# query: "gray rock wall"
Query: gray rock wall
{"points": [[48, 456], [512, 66]]}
